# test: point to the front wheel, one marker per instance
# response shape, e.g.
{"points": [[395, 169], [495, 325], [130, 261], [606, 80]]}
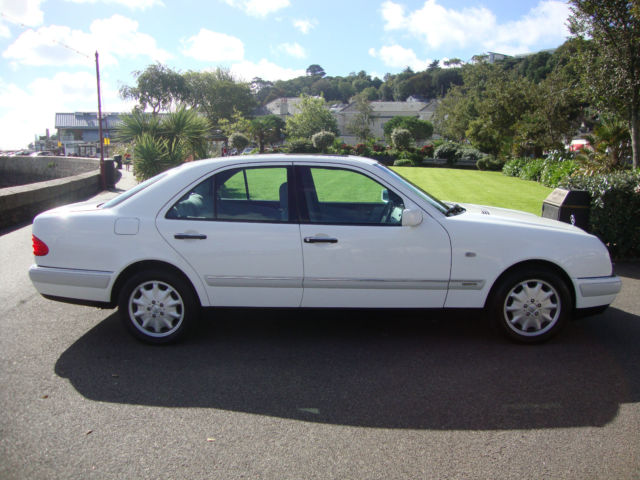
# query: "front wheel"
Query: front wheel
{"points": [[157, 307], [530, 306]]}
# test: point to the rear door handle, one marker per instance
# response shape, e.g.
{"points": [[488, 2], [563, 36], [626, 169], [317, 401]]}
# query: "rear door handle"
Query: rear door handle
{"points": [[189, 236], [320, 240]]}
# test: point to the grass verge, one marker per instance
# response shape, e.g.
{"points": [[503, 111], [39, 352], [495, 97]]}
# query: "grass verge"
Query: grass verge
{"points": [[480, 187]]}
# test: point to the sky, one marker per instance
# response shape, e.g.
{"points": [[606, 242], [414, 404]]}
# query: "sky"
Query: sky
{"points": [[47, 47]]}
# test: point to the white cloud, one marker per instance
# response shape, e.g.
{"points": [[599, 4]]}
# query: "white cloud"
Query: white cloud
{"points": [[29, 111], [436, 26], [258, 8], [393, 15], [26, 12], [264, 69], [56, 45], [396, 56], [293, 49], [208, 46], [132, 4], [304, 26]]}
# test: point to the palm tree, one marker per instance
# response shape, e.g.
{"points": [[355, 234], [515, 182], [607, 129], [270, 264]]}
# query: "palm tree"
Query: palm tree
{"points": [[160, 144]]}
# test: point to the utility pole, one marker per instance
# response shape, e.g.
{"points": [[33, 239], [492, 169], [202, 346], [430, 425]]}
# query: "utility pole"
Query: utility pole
{"points": [[103, 179]]}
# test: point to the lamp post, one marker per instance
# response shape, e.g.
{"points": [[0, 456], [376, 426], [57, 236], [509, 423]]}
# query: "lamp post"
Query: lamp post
{"points": [[103, 180]]}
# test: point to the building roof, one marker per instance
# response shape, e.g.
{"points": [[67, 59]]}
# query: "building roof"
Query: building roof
{"points": [[87, 120]]}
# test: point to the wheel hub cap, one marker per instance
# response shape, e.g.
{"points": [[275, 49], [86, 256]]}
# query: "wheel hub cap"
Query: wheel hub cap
{"points": [[532, 307], [156, 309]]}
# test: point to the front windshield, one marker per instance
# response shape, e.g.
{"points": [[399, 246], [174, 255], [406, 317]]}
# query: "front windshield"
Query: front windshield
{"points": [[417, 190], [130, 193]]}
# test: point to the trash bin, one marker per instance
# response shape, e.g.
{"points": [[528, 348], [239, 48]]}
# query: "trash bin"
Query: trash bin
{"points": [[570, 206], [109, 173], [118, 160]]}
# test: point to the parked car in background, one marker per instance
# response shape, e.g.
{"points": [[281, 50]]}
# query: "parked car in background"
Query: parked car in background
{"points": [[312, 231], [44, 153]]}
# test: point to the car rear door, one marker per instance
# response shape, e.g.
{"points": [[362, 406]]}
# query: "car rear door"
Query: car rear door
{"points": [[237, 230]]}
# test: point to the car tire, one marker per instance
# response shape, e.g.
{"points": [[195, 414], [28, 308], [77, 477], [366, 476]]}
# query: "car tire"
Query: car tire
{"points": [[530, 305], [157, 307]]}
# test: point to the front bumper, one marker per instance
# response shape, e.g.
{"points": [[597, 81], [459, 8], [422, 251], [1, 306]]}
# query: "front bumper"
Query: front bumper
{"points": [[84, 285], [596, 292]]}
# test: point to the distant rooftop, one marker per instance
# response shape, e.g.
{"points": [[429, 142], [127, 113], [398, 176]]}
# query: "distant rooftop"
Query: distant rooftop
{"points": [[87, 120]]}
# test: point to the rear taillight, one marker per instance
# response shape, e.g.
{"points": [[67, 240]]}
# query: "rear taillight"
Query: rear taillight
{"points": [[40, 248]]}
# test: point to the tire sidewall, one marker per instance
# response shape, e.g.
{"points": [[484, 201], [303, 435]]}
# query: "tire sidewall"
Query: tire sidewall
{"points": [[178, 284], [499, 297]]}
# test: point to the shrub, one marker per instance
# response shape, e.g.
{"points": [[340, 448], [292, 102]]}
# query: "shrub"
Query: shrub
{"points": [[556, 171], [323, 140], [615, 203], [401, 138], [469, 154], [448, 151], [532, 169], [427, 151], [363, 150], [513, 167], [238, 141], [489, 162], [403, 162], [300, 145]]}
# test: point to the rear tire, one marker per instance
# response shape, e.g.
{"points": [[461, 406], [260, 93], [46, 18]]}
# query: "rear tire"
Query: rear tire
{"points": [[157, 307], [530, 306]]}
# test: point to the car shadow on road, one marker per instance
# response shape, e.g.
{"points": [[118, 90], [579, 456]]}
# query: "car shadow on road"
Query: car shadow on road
{"points": [[369, 369]]}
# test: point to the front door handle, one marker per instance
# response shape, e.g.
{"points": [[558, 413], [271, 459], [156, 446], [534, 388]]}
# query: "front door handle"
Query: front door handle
{"points": [[320, 240], [189, 236]]}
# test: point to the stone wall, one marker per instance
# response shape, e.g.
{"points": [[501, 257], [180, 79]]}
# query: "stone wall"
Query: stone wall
{"points": [[19, 204], [23, 170]]}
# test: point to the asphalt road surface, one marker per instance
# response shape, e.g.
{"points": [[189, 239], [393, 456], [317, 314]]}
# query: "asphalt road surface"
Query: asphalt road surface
{"points": [[312, 395]]}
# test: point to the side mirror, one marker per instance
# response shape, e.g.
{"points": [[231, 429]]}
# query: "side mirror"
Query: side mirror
{"points": [[384, 196], [411, 218]]}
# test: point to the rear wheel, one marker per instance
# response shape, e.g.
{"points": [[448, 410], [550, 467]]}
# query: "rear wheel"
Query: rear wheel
{"points": [[157, 307], [531, 305]]}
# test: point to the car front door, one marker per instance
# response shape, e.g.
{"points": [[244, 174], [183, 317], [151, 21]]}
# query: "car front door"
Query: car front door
{"points": [[356, 251], [237, 231]]}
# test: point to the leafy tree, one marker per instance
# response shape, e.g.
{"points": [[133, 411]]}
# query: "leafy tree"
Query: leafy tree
{"points": [[267, 129], [238, 123], [612, 58], [315, 70], [157, 87], [452, 62], [217, 94], [360, 125], [554, 116], [312, 118]]}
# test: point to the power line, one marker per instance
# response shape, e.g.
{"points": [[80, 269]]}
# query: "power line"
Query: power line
{"points": [[60, 43]]}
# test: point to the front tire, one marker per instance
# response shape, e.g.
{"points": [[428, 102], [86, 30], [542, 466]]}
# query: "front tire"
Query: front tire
{"points": [[530, 306], [157, 307]]}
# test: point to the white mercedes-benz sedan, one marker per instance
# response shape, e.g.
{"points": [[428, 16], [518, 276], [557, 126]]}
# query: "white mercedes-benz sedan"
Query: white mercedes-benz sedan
{"points": [[312, 231]]}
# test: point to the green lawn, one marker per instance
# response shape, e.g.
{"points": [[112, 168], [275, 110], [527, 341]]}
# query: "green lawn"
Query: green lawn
{"points": [[475, 186]]}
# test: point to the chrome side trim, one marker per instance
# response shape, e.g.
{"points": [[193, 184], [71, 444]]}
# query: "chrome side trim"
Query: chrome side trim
{"points": [[466, 284], [375, 284], [596, 287], [345, 283], [70, 277], [247, 281]]}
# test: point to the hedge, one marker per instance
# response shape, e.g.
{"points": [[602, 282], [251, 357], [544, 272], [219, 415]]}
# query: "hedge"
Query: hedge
{"points": [[615, 207]]}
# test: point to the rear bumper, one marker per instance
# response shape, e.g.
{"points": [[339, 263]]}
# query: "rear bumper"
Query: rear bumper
{"points": [[82, 285], [595, 292]]}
